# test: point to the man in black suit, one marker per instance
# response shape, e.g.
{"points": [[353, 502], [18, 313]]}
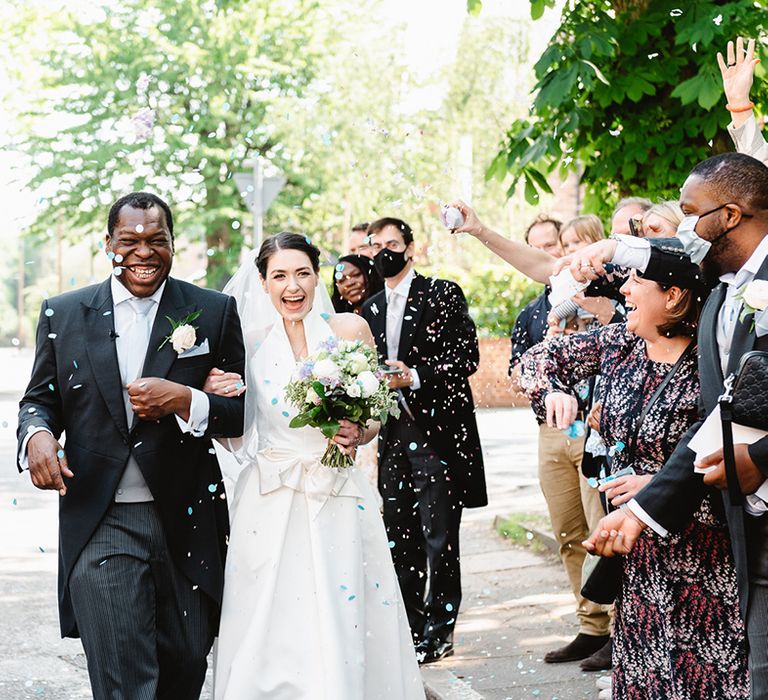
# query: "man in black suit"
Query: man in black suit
{"points": [[142, 517], [430, 459], [725, 199]]}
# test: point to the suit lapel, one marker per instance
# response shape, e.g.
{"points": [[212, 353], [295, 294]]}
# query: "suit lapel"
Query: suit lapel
{"points": [[378, 317], [157, 363], [414, 306], [744, 333], [709, 354], [99, 328]]}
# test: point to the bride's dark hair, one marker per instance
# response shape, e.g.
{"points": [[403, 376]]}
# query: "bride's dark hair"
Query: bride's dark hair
{"points": [[286, 241]]}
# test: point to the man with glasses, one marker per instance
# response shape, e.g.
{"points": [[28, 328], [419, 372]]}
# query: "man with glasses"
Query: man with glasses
{"points": [[430, 459], [359, 243]]}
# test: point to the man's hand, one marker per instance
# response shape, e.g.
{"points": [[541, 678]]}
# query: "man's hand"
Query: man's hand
{"points": [[47, 462], [561, 409], [153, 398], [739, 72], [625, 488], [588, 263], [403, 378], [600, 307], [223, 383], [750, 477], [615, 534]]}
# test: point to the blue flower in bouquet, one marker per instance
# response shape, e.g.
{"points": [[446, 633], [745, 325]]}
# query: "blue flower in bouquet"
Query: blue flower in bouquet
{"points": [[340, 381]]}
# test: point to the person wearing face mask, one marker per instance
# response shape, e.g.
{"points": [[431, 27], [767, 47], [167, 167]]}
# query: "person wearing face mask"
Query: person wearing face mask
{"points": [[725, 199], [430, 458], [355, 280], [677, 606]]}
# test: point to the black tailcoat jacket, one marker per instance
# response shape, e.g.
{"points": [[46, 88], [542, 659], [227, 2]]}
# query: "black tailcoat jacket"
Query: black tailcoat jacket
{"points": [[438, 339], [76, 389]]}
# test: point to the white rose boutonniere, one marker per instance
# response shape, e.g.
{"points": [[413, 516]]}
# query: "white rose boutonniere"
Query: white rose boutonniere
{"points": [[754, 299], [183, 335]]}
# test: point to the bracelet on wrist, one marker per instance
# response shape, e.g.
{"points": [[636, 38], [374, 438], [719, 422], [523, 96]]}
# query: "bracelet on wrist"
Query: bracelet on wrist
{"points": [[745, 108]]}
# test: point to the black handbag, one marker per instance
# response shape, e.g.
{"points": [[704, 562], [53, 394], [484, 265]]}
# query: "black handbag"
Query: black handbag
{"points": [[601, 576], [744, 402]]}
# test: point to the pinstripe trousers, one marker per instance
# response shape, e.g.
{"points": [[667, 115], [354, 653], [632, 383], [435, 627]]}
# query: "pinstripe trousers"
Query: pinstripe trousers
{"points": [[145, 628]]}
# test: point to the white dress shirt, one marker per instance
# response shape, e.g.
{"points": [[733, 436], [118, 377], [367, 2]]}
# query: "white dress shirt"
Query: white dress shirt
{"points": [[132, 487], [636, 253], [396, 301]]}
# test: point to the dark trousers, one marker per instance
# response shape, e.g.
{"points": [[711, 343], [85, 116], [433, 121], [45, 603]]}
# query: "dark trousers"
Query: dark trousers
{"points": [[145, 628], [422, 516], [757, 633]]}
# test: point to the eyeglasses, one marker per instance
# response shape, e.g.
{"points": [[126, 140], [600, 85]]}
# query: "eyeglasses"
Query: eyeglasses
{"points": [[393, 245]]}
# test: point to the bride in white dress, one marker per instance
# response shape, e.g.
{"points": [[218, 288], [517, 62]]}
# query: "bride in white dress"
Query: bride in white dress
{"points": [[312, 607]]}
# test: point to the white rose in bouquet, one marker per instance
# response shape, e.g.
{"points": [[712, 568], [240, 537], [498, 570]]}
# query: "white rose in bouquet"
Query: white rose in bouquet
{"points": [[756, 295], [354, 390], [312, 397], [368, 383], [326, 370], [357, 362], [183, 338]]}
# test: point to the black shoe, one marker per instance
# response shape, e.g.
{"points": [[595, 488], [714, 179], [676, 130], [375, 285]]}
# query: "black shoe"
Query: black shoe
{"points": [[600, 660], [580, 648], [430, 650]]}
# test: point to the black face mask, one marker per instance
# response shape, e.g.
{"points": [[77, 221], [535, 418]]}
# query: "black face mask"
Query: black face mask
{"points": [[390, 263]]}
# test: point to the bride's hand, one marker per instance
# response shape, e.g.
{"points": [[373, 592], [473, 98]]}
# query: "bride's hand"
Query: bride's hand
{"points": [[348, 438], [223, 383]]}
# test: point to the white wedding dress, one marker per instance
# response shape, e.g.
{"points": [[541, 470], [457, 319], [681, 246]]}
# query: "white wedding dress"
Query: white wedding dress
{"points": [[312, 607]]}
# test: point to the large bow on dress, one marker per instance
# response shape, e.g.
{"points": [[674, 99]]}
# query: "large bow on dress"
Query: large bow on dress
{"points": [[305, 474]]}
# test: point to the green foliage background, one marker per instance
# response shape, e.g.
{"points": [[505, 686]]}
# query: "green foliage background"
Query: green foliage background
{"points": [[628, 94]]}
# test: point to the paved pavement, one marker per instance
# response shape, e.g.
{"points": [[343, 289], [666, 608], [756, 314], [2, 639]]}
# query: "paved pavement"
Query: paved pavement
{"points": [[516, 602]]}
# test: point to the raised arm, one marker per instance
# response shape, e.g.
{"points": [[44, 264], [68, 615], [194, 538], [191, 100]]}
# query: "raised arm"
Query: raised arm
{"points": [[533, 263], [738, 73]]}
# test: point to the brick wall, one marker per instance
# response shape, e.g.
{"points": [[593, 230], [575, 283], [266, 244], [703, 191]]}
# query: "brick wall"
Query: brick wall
{"points": [[490, 384]]}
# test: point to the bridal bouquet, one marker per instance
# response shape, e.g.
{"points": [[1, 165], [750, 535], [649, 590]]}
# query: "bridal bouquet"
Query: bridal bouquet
{"points": [[341, 380]]}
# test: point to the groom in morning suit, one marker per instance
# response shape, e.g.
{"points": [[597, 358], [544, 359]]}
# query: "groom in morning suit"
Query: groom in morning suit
{"points": [[142, 517], [729, 195], [430, 459]]}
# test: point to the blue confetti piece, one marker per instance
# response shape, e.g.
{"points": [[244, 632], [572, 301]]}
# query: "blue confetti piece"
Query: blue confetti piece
{"points": [[352, 597], [51, 387], [111, 255], [74, 362], [286, 414], [307, 239], [325, 316], [412, 446], [339, 276], [340, 267], [449, 607], [14, 502], [49, 312], [60, 454], [274, 402], [212, 488], [118, 258], [391, 544], [189, 510], [107, 313], [266, 381], [400, 486], [239, 386], [41, 549], [360, 506], [343, 587], [211, 450], [592, 482]]}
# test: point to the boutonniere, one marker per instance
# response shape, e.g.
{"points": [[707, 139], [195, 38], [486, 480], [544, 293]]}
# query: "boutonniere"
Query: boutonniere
{"points": [[183, 334], [754, 299]]}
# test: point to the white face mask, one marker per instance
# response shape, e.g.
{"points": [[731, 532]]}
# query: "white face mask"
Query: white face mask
{"points": [[695, 246]]}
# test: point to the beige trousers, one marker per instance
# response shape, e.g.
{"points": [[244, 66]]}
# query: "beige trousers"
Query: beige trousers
{"points": [[575, 510]]}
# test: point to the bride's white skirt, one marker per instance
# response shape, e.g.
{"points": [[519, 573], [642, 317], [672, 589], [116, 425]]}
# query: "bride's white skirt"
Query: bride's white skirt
{"points": [[312, 607]]}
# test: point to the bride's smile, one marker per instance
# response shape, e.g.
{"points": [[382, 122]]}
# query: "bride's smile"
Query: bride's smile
{"points": [[290, 283]]}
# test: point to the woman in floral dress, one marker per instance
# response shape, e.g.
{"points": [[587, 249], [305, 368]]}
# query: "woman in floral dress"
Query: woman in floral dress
{"points": [[678, 634]]}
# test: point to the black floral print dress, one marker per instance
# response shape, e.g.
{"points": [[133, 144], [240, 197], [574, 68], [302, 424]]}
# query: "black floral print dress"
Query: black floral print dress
{"points": [[678, 634]]}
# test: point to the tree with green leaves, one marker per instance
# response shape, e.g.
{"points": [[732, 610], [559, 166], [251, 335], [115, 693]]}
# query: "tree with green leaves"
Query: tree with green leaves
{"points": [[170, 95], [629, 95]]}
